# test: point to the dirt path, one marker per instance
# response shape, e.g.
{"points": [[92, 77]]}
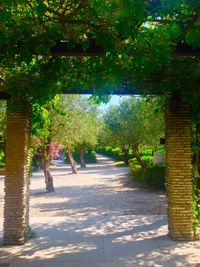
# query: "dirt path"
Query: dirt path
{"points": [[98, 218], [99, 189]]}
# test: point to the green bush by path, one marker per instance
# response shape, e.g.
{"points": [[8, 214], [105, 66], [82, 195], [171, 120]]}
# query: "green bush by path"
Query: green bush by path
{"points": [[196, 203], [161, 149], [90, 156], [153, 176], [2, 159], [148, 160], [115, 153]]}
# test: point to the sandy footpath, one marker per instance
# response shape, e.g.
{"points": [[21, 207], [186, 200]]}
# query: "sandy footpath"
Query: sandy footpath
{"points": [[97, 218], [102, 189]]}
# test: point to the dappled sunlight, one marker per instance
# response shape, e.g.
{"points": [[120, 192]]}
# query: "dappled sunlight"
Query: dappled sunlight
{"points": [[124, 241], [118, 224], [140, 236], [101, 193], [99, 216], [54, 251], [41, 249], [153, 259], [56, 200]]}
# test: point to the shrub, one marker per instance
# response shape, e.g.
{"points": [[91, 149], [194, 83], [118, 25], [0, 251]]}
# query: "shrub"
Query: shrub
{"points": [[137, 172], [90, 156], [2, 159], [148, 160], [196, 203], [146, 151], [115, 153], [133, 161], [153, 176], [196, 212], [161, 149]]}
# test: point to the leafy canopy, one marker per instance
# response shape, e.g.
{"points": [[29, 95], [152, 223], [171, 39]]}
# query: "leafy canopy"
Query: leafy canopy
{"points": [[74, 122], [139, 39], [135, 122]]}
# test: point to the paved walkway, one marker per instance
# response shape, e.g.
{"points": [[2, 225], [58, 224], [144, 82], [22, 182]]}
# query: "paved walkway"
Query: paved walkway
{"points": [[98, 218]]}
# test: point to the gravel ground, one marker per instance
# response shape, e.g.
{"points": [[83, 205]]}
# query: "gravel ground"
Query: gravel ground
{"points": [[99, 189], [97, 218]]}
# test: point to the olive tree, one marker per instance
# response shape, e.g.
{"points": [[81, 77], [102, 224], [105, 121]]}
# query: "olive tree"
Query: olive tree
{"points": [[135, 122]]}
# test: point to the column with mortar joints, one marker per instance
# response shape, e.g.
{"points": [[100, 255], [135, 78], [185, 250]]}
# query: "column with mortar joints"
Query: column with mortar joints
{"points": [[16, 209], [179, 173]]}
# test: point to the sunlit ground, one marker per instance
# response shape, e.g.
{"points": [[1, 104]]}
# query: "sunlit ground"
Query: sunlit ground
{"points": [[98, 219]]}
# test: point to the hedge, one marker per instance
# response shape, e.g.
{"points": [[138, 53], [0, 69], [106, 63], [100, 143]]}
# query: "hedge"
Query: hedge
{"points": [[90, 156], [153, 176], [115, 153]]}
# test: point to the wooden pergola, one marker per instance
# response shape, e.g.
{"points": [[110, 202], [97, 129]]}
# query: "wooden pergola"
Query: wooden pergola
{"points": [[179, 177]]}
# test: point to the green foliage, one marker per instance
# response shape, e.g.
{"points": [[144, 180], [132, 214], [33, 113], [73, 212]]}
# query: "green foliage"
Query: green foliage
{"points": [[161, 149], [89, 156], [2, 120], [138, 37], [2, 159], [153, 176], [40, 121], [146, 151], [196, 212], [147, 160], [75, 122], [29, 233], [196, 203], [113, 152], [136, 171], [2, 132], [134, 122]]}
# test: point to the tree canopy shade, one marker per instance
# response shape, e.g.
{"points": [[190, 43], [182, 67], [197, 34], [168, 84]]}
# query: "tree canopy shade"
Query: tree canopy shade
{"points": [[138, 40]]}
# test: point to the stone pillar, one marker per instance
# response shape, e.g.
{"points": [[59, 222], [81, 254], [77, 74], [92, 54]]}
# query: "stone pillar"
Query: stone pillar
{"points": [[179, 175], [16, 217]]}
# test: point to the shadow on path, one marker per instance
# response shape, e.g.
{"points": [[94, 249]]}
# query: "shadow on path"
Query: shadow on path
{"points": [[98, 218]]}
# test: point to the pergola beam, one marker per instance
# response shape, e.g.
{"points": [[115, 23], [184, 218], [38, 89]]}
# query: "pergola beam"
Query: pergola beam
{"points": [[62, 49]]}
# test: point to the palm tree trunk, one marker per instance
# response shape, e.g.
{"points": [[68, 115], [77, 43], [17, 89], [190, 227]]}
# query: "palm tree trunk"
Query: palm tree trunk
{"points": [[72, 161]]}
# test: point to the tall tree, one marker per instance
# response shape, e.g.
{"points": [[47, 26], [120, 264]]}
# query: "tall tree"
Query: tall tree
{"points": [[75, 126], [41, 139], [134, 122]]}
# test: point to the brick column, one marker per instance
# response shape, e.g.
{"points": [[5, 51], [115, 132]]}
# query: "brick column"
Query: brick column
{"points": [[16, 217], [179, 176]]}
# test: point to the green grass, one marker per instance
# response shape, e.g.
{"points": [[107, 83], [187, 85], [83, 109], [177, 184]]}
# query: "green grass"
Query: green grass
{"points": [[120, 164]]}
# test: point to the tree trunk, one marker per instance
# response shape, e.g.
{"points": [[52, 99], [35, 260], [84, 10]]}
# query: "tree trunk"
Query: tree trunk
{"points": [[72, 161], [138, 157], [82, 159], [126, 154], [47, 175]]}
